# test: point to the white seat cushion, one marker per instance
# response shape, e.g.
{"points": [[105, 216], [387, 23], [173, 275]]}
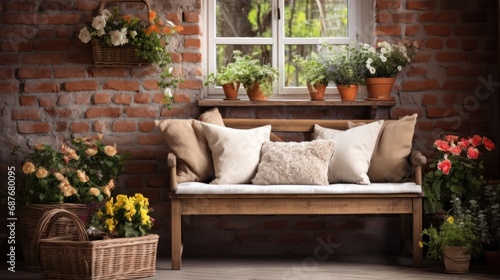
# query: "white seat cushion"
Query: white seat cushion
{"points": [[373, 188]]}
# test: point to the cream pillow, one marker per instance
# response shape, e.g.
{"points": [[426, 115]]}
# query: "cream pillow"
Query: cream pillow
{"points": [[294, 163], [389, 161], [187, 141], [235, 152], [353, 151]]}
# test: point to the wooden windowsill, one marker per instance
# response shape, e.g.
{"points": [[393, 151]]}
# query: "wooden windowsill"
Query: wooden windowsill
{"points": [[269, 103]]}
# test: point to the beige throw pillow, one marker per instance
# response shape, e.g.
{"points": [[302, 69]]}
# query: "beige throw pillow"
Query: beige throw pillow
{"points": [[389, 162], [235, 152], [293, 163], [187, 140], [353, 151]]}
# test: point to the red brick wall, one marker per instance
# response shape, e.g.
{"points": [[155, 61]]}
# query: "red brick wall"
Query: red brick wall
{"points": [[49, 91]]}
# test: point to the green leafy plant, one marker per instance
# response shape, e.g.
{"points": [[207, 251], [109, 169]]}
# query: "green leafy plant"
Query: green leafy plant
{"points": [[150, 39], [487, 217], [457, 230], [386, 60], [457, 170], [231, 73], [345, 65], [125, 217], [82, 172], [313, 70], [253, 71]]}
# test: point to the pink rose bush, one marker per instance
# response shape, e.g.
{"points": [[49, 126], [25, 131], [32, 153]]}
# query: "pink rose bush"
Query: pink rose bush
{"points": [[82, 172], [457, 170]]}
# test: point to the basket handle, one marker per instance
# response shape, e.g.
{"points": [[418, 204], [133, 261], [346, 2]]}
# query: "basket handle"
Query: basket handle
{"points": [[47, 221], [104, 2]]}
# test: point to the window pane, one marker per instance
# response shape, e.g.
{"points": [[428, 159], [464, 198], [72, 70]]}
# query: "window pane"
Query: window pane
{"points": [[248, 18], [293, 78], [260, 52], [315, 18]]}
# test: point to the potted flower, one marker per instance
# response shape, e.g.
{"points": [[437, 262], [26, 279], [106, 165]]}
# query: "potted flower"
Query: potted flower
{"points": [[229, 76], [133, 42], [314, 75], [122, 216], [455, 241], [346, 68], [257, 79], [77, 178], [488, 221], [383, 63], [457, 170]]}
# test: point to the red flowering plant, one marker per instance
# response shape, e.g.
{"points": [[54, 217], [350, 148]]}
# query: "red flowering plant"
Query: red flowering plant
{"points": [[458, 170]]}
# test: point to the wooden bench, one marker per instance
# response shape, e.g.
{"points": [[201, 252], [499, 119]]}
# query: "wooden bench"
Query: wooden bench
{"points": [[408, 205]]}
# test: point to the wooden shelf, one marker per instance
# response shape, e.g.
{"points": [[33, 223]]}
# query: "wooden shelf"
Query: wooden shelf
{"points": [[270, 103], [371, 105]]}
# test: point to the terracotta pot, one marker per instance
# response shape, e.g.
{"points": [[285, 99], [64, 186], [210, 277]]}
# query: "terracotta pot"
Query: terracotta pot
{"points": [[493, 260], [379, 87], [318, 92], [255, 94], [348, 93], [455, 259], [230, 91]]}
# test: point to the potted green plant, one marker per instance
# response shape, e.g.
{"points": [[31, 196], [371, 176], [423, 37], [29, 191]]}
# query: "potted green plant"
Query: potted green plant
{"points": [[488, 222], [314, 75], [456, 171], [455, 241], [229, 76], [383, 63], [257, 79], [346, 68]]}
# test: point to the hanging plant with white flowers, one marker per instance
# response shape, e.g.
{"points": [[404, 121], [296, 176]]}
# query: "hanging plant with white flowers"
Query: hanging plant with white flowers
{"points": [[149, 38]]}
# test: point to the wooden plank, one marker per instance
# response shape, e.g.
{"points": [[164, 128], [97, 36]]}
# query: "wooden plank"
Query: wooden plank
{"points": [[291, 103], [290, 125], [285, 206], [418, 254]]}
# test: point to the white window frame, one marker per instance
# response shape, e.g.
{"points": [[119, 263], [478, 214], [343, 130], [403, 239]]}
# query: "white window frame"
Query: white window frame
{"points": [[360, 29]]}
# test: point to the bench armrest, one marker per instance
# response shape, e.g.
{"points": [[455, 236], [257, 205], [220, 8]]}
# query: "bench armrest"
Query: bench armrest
{"points": [[172, 168], [417, 160]]}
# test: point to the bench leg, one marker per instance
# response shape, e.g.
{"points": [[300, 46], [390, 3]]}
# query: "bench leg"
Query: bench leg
{"points": [[176, 234], [418, 254]]}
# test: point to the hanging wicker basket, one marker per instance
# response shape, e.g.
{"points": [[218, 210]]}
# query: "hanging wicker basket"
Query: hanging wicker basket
{"points": [[117, 56], [75, 257]]}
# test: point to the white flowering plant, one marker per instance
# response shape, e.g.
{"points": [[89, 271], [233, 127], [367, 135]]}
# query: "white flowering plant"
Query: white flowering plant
{"points": [[149, 38], [82, 172], [386, 60]]}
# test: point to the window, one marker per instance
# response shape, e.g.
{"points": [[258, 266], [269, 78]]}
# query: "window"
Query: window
{"points": [[275, 30]]}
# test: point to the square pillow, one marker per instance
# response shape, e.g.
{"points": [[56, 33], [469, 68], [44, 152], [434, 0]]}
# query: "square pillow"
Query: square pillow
{"points": [[389, 161], [235, 152], [187, 140], [294, 163], [353, 152]]}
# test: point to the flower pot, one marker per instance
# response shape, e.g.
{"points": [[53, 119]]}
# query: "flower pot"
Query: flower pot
{"points": [[318, 92], [493, 260], [455, 259], [231, 90], [379, 88], [255, 94], [347, 92]]}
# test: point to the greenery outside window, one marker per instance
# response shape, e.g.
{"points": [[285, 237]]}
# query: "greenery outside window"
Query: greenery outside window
{"points": [[274, 31]]}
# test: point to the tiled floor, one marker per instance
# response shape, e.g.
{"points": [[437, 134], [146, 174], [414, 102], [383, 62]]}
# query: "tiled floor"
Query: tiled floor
{"points": [[276, 268]]}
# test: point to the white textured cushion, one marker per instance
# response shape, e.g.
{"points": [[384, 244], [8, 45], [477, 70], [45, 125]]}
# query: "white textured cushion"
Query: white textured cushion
{"points": [[294, 163], [353, 151], [373, 188], [235, 152]]}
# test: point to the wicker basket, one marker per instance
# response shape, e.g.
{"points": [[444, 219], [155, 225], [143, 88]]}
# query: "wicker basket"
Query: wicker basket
{"points": [[75, 257], [117, 56], [30, 215]]}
